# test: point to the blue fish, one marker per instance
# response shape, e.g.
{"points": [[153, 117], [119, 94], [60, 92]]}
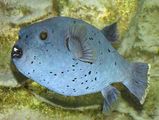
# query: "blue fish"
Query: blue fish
{"points": [[73, 58]]}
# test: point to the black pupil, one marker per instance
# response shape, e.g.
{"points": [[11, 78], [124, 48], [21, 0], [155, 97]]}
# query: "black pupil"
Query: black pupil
{"points": [[43, 35]]}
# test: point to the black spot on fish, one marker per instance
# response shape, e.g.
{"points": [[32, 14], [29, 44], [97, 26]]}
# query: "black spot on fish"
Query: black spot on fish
{"points": [[95, 78], [91, 80], [55, 74], [90, 38], [96, 72], [28, 73], [62, 72], [67, 86], [74, 22], [67, 70], [77, 63], [74, 90], [74, 79], [73, 65], [80, 69], [33, 70], [73, 69], [32, 62], [99, 42], [85, 75], [115, 63], [51, 72], [34, 57], [108, 50], [136, 82], [86, 81], [26, 36], [44, 80], [47, 50], [89, 72], [81, 83], [39, 62], [87, 88]]}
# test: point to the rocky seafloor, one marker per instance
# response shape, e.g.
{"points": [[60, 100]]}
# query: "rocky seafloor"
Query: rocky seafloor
{"points": [[138, 41]]}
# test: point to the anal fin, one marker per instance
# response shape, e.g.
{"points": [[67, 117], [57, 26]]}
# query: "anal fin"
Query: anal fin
{"points": [[110, 95]]}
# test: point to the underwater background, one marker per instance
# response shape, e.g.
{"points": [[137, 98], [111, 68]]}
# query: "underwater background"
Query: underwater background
{"points": [[138, 20]]}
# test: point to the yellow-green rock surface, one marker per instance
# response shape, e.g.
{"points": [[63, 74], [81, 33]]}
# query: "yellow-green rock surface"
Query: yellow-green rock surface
{"points": [[139, 41]]}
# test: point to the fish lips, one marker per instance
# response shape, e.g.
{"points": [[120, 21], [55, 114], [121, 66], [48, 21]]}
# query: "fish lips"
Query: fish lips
{"points": [[17, 52]]}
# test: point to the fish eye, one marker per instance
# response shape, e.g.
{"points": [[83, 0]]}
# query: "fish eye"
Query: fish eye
{"points": [[43, 35]]}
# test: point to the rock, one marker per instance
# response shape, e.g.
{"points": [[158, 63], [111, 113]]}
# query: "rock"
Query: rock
{"points": [[25, 11], [7, 80]]}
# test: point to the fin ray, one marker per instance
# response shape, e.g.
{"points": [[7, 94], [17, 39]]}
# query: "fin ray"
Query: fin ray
{"points": [[139, 84], [111, 32], [110, 95], [76, 42]]}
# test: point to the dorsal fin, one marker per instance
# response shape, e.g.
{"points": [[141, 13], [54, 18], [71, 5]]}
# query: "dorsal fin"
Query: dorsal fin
{"points": [[77, 44], [110, 32]]}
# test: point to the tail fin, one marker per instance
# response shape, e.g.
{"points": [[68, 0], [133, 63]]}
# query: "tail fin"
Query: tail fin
{"points": [[139, 83]]}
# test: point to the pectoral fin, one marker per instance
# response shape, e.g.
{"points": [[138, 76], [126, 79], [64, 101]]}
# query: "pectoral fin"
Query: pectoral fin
{"points": [[77, 44]]}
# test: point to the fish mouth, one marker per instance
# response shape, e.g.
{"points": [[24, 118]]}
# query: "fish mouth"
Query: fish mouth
{"points": [[17, 52]]}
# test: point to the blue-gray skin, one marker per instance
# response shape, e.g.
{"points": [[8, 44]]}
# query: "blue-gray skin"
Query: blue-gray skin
{"points": [[73, 58]]}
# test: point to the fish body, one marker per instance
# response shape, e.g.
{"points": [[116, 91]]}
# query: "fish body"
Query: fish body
{"points": [[73, 58]]}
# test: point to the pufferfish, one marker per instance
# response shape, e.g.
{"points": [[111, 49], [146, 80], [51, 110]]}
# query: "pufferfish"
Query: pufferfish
{"points": [[73, 58]]}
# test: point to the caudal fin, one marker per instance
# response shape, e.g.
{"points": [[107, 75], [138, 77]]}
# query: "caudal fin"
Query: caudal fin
{"points": [[138, 85]]}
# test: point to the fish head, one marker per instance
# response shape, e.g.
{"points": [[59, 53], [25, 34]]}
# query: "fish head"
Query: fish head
{"points": [[36, 48]]}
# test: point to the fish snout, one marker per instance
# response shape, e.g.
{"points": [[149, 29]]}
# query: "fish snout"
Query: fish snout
{"points": [[17, 52]]}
